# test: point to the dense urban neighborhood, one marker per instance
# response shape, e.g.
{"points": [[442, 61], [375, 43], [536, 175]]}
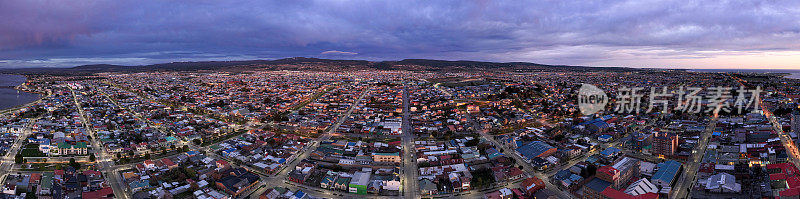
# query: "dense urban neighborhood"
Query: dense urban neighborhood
{"points": [[265, 133]]}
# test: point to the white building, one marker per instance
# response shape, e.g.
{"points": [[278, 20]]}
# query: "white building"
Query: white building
{"points": [[723, 183], [641, 186]]}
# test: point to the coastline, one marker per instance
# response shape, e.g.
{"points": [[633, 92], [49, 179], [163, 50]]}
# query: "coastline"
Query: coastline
{"points": [[792, 76], [18, 88], [785, 73]]}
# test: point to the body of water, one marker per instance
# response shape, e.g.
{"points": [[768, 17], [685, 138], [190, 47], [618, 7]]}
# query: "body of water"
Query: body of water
{"points": [[10, 97], [795, 74]]}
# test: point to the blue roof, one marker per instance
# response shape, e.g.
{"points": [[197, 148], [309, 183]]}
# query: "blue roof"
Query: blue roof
{"points": [[591, 159], [605, 136], [598, 185], [563, 174], [574, 177], [589, 122], [598, 123], [229, 150], [493, 153], [716, 133], [191, 153], [534, 149], [610, 151], [141, 183], [328, 142], [299, 194], [667, 171]]}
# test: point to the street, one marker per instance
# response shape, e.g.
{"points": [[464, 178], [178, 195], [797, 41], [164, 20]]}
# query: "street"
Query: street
{"points": [[105, 161]]}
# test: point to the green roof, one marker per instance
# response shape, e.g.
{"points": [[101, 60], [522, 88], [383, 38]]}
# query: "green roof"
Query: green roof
{"points": [[343, 181], [65, 145], [280, 190], [387, 154], [47, 180]]}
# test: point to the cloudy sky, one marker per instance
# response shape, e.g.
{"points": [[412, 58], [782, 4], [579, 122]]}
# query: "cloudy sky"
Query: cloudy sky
{"points": [[643, 33]]}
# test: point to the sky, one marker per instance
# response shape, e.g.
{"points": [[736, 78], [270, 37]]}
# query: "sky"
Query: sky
{"points": [[642, 33]]}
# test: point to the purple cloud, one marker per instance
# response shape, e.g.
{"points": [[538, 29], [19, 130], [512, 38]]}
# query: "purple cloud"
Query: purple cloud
{"points": [[57, 33]]}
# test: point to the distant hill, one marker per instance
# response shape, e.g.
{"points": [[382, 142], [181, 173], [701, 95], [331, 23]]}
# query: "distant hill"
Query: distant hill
{"points": [[315, 64]]}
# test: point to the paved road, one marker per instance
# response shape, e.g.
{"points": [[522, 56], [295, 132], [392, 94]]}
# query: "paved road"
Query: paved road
{"points": [[104, 159], [8, 160], [410, 169], [135, 114], [279, 179], [529, 170], [687, 180]]}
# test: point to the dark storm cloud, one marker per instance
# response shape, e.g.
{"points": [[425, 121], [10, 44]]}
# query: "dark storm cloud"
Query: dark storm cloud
{"points": [[59, 33]]}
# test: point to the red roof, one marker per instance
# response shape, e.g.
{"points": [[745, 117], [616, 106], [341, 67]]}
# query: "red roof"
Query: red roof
{"points": [[91, 172], [168, 162], [35, 177], [791, 174], [102, 193], [790, 192], [608, 170], [514, 171], [777, 176], [536, 182], [613, 193], [222, 163], [517, 192]]}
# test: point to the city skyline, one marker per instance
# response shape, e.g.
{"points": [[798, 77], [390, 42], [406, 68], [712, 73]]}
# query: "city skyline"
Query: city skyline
{"points": [[313, 99], [662, 34]]}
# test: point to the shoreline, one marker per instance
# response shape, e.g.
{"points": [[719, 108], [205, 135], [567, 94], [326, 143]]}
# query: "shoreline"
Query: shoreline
{"points": [[18, 88], [792, 76], [784, 73]]}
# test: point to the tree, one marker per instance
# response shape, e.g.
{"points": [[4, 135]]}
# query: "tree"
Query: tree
{"points": [[558, 138], [590, 171], [196, 141], [194, 187], [472, 142], [30, 195], [74, 164], [92, 157], [191, 173], [18, 158]]}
